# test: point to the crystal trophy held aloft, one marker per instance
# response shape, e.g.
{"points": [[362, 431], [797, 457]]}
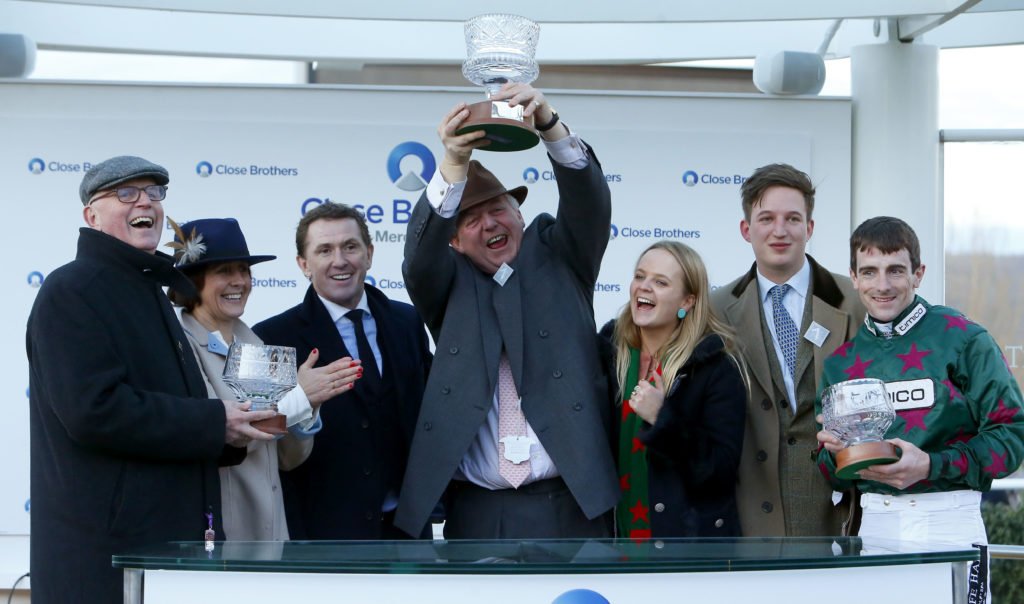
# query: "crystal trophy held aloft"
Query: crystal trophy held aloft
{"points": [[262, 374], [500, 49], [859, 412]]}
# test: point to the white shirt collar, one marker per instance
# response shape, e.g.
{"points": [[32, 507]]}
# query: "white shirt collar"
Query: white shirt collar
{"points": [[799, 282], [338, 311]]}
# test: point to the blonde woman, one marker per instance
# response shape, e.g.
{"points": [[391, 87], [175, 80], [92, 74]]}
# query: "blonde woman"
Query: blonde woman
{"points": [[683, 402]]}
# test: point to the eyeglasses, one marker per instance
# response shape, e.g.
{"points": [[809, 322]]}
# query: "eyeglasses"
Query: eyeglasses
{"points": [[131, 194]]}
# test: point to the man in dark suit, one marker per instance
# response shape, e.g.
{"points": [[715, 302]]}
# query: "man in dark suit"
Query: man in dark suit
{"points": [[125, 443], [790, 314], [348, 488], [515, 418]]}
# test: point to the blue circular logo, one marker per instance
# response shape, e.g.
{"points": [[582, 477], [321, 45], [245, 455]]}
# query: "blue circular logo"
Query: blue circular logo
{"points": [[36, 165], [580, 596], [369, 279], [410, 181], [35, 279], [614, 233], [28, 505], [531, 175], [204, 169], [690, 178]]}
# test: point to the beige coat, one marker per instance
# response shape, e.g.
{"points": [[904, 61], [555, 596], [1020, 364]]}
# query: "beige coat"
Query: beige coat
{"points": [[253, 506], [780, 490]]}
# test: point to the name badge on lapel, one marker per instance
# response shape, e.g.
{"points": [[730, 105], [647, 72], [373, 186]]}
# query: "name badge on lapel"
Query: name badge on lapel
{"points": [[816, 334], [503, 273]]}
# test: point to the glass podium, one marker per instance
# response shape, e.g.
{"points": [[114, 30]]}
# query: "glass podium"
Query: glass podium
{"points": [[619, 571]]}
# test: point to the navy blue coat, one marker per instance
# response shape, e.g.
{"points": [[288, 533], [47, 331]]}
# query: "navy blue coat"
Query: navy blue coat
{"points": [[361, 453], [693, 447], [124, 441]]}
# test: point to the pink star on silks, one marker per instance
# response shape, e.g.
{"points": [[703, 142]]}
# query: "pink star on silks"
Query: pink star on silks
{"points": [[953, 392], [624, 482], [961, 464], [958, 321], [914, 418], [637, 445], [1003, 414], [841, 351], [913, 358], [998, 466], [857, 369]]}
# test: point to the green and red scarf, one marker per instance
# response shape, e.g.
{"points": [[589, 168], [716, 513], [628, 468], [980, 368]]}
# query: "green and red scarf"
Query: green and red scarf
{"points": [[633, 512]]}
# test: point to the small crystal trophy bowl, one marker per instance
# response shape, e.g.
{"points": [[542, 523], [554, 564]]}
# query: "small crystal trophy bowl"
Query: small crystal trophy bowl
{"points": [[261, 374], [859, 412], [500, 49]]}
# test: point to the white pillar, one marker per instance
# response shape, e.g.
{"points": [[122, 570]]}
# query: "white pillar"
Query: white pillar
{"points": [[896, 151]]}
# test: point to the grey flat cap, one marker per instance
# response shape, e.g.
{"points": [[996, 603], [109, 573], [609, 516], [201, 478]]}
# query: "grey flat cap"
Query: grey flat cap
{"points": [[117, 170]]}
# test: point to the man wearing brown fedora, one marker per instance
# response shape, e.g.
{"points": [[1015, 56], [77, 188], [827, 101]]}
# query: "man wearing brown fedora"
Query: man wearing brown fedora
{"points": [[513, 429]]}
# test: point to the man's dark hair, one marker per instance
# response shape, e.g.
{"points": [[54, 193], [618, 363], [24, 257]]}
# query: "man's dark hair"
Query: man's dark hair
{"points": [[888, 235], [775, 175], [329, 211]]}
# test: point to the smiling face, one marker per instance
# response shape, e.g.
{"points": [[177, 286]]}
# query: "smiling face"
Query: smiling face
{"points": [[138, 224], [657, 292], [885, 282], [336, 260], [490, 233], [226, 288], [778, 231]]}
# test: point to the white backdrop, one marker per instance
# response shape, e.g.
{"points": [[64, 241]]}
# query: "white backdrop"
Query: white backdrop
{"points": [[674, 165]]}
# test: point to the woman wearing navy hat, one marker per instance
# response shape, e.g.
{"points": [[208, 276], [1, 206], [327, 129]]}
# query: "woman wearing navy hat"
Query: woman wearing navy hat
{"points": [[212, 252]]}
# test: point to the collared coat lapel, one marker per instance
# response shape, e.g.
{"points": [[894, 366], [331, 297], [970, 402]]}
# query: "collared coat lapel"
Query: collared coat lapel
{"points": [[744, 314]]}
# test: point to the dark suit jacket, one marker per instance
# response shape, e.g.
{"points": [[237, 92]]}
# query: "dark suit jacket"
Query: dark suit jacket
{"points": [[543, 316], [125, 442], [693, 447], [360, 453], [781, 493]]}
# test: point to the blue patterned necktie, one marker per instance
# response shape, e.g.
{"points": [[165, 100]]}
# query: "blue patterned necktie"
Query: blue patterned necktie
{"points": [[785, 329]]}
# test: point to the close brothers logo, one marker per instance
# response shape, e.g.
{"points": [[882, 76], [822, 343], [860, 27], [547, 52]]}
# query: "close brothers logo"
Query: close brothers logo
{"points": [[312, 202], [648, 232], [532, 175], [384, 282], [411, 179], [206, 169], [691, 178], [36, 165], [35, 279]]}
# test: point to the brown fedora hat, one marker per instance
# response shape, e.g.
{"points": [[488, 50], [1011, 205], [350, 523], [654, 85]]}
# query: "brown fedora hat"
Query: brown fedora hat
{"points": [[483, 186]]}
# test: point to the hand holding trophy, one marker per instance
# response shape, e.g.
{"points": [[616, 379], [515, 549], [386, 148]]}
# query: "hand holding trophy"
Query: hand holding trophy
{"points": [[500, 50], [262, 374], [859, 412]]}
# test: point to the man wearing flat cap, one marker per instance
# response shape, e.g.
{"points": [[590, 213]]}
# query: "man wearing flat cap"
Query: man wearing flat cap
{"points": [[513, 430], [124, 443]]}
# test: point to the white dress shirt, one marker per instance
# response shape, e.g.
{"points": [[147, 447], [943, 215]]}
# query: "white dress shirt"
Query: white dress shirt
{"points": [[794, 302], [480, 464]]}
